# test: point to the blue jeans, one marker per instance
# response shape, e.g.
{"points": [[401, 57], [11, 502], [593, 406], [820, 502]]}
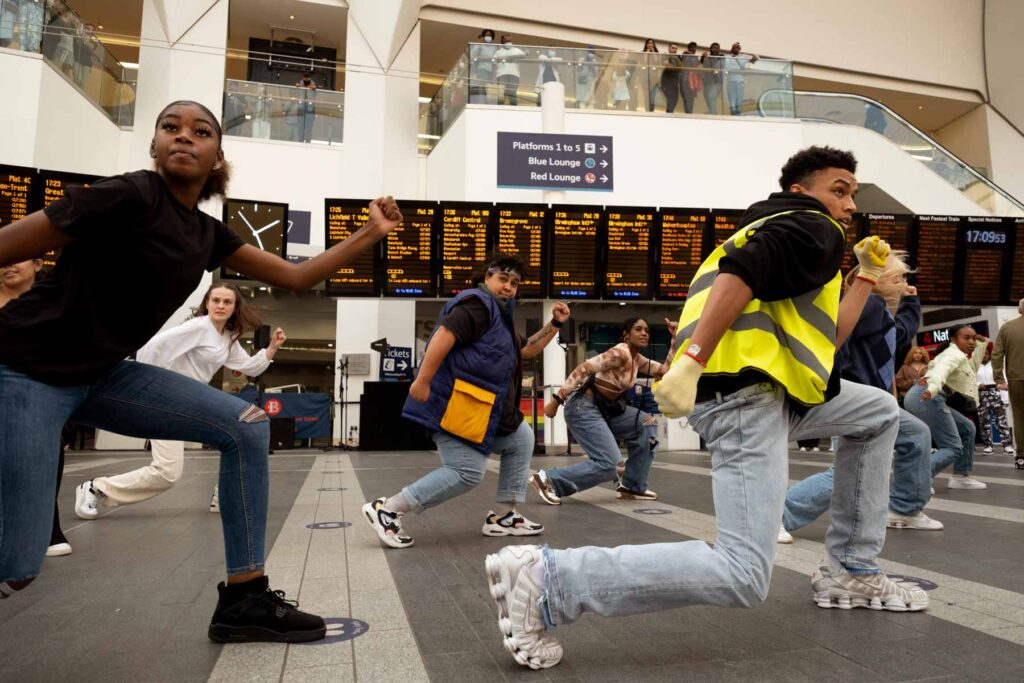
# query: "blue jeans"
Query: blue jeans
{"points": [[952, 432], [747, 434], [136, 400], [909, 491], [599, 439], [463, 467], [734, 89]]}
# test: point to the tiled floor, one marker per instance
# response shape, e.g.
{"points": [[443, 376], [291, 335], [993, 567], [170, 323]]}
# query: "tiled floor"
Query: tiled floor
{"points": [[133, 601]]}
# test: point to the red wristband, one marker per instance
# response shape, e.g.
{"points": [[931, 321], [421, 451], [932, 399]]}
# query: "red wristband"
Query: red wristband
{"points": [[702, 363], [867, 279]]}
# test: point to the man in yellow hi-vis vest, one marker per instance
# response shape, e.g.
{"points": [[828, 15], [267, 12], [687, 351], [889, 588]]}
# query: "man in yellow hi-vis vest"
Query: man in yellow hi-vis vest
{"points": [[756, 341]]}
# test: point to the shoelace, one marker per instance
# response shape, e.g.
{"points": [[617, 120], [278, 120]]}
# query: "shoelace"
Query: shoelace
{"points": [[274, 597]]}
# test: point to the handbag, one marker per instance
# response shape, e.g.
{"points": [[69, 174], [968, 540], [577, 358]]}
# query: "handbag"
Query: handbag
{"points": [[608, 408], [695, 81], [961, 403]]}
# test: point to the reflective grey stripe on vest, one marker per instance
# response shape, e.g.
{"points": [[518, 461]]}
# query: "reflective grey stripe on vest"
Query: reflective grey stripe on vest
{"points": [[817, 318], [759, 320]]}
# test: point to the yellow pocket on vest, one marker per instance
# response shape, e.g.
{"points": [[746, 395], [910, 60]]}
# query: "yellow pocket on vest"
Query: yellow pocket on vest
{"points": [[468, 411]]}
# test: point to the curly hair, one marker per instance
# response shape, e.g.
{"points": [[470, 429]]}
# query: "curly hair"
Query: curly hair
{"points": [[807, 162]]}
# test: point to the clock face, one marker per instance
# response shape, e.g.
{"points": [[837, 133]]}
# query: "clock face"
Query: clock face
{"points": [[261, 224]]}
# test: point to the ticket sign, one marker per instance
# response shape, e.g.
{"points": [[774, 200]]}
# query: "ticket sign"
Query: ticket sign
{"points": [[1017, 282], [936, 258], [724, 223], [520, 231], [464, 230], [50, 187], [342, 217], [987, 256], [629, 257], [574, 231], [680, 251], [408, 252], [16, 187]]}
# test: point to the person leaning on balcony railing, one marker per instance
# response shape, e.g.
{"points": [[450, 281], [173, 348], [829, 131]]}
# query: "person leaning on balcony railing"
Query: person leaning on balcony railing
{"points": [[670, 77], [653, 76], [713, 62], [481, 67], [306, 109], [735, 63], [690, 79], [507, 57]]}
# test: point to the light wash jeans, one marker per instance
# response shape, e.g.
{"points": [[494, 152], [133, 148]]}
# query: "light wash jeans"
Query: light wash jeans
{"points": [[463, 467], [599, 439], [747, 433], [909, 491], [953, 433], [734, 89], [134, 399]]}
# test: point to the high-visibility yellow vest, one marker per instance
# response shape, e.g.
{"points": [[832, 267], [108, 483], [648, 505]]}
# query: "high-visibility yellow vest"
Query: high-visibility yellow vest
{"points": [[793, 341]]}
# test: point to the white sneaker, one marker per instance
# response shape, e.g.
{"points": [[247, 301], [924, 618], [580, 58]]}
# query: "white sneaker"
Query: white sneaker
{"points": [[804, 449], [215, 500], [58, 550], [816, 449], [784, 536], [87, 499], [966, 482], [874, 591], [920, 521], [987, 450], [518, 598], [539, 481], [933, 490], [1008, 450], [386, 523], [623, 493], [510, 524]]}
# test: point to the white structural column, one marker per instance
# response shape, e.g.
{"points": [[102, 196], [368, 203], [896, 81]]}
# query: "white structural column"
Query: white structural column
{"points": [[382, 57], [181, 57]]}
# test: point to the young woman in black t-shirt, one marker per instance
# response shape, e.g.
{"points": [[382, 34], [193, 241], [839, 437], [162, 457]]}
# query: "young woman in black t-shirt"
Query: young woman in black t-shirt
{"points": [[62, 346]]}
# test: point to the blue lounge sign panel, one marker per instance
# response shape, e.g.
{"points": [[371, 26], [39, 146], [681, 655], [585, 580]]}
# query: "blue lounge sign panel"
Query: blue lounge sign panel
{"points": [[545, 161]]}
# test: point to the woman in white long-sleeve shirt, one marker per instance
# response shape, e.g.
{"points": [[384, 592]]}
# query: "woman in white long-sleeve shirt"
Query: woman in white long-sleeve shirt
{"points": [[197, 348]]}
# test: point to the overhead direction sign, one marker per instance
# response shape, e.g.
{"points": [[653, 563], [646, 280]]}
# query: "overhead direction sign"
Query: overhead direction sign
{"points": [[546, 161], [396, 364]]}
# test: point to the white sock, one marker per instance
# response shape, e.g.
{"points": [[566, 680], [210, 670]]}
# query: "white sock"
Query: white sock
{"points": [[397, 503]]}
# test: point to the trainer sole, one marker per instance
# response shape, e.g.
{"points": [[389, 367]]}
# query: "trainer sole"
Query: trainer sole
{"points": [[825, 600], [541, 492], [499, 583], [222, 633], [385, 538], [512, 532]]}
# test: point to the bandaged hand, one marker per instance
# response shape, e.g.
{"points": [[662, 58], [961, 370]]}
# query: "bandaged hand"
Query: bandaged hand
{"points": [[871, 253], [677, 390]]}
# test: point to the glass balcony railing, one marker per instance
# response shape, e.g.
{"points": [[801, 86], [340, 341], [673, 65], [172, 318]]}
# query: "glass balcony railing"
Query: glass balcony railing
{"points": [[615, 80], [864, 112], [52, 29], [282, 112]]}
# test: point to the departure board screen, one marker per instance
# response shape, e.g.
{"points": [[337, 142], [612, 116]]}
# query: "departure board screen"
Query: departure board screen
{"points": [[16, 186], [936, 258], [1017, 281], [464, 229], [408, 252], [682, 240], [724, 222], [51, 186], [574, 251], [986, 249], [342, 217], [521, 232], [893, 228], [628, 272], [854, 234]]}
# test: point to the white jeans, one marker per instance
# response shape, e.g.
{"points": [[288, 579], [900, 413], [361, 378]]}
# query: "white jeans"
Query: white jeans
{"points": [[145, 482]]}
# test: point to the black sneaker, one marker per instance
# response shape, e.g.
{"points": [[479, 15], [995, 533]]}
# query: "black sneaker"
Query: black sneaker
{"points": [[251, 612]]}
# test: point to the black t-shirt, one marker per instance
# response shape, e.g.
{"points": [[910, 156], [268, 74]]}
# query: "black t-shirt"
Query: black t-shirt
{"points": [[135, 257], [468, 321]]}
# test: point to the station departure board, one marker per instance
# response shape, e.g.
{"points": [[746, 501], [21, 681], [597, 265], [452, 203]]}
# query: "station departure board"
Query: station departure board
{"points": [[520, 230], [574, 234], [464, 228], [342, 217], [893, 228], [51, 186], [986, 253], [724, 223], [936, 258], [853, 234], [629, 257], [16, 187], [1017, 279], [408, 252], [681, 250]]}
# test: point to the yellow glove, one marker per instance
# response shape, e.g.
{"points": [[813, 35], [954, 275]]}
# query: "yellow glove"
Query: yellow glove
{"points": [[871, 253], [677, 390]]}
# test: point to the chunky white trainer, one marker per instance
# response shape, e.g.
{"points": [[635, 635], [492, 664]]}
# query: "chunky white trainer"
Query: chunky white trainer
{"points": [[966, 482], [386, 523], [987, 450], [784, 536], [59, 549], [539, 481], [510, 524], [919, 521], [629, 494], [873, 591], [518, 598], [87, 500]]}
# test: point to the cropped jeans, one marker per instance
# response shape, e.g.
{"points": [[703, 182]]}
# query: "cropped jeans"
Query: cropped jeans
{"points": [[463, 467], [909, 491], [952, 432], [134, 399], [747, 433]]}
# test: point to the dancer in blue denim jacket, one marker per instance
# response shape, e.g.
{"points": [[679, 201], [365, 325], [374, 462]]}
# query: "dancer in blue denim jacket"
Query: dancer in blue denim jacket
{"points": [[62, 346]]}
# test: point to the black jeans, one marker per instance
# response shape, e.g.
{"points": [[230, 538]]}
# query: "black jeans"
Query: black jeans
{"points": [[670, 86]]}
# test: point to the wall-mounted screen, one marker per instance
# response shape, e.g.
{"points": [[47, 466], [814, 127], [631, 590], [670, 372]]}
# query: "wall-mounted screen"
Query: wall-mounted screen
{"points": [[464, 230], [574, 233], [629, 253], [342, 217], [409, 252], [520, 230]]}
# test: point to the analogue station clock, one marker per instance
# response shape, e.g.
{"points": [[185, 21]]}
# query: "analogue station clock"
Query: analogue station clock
{"points": [[261, 224]]}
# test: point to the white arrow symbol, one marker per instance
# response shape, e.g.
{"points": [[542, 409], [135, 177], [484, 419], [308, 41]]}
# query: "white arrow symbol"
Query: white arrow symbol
{"points": [[604, 164], [604, 148], [401, 365], [604, 179]]}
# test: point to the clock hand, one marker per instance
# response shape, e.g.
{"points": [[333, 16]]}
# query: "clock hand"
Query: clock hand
{"points": [[246, 221], [268, 226]]}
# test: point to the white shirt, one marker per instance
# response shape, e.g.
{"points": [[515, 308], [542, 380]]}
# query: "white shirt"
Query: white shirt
{"points": [[195, 349], [985, 375]]}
